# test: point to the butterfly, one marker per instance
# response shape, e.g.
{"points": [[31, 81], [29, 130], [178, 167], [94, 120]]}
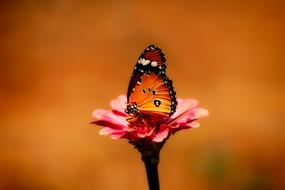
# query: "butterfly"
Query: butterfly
{"points": [[150, 91]]}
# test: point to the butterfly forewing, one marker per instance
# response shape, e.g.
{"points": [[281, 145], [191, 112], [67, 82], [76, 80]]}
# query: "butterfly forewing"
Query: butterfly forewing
{"points": [[150, 91], [151, 60]]}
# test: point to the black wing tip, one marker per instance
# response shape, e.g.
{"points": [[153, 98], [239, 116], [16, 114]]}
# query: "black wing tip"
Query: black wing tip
{"points": [[152, 47]]}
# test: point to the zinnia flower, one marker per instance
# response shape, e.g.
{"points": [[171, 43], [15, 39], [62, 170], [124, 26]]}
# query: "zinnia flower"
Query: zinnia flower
{"points": [[150, 113], [116, 122]]}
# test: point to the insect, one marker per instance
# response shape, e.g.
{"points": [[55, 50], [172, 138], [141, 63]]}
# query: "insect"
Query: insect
{"points": [[150, 91]]}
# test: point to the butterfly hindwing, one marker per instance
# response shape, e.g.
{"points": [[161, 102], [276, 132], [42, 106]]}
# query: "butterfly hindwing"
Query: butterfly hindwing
{"points": [[150, 91], [152, 95]]}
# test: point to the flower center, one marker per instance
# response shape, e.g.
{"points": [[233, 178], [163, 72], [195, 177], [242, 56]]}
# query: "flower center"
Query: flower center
{"points": [[143, 121]]}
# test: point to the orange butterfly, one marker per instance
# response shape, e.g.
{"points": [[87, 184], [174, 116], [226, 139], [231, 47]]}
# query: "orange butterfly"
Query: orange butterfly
{"points": [[150, 92]]}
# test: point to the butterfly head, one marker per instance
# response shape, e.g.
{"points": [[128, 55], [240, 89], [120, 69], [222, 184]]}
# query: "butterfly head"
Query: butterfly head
{"points": [[132, 109]]}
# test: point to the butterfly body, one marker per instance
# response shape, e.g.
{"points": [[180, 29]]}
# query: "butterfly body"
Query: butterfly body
{"points": [[150, 92]]}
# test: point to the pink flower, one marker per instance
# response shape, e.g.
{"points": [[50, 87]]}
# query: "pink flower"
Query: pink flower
{"points": [[115, 122]]}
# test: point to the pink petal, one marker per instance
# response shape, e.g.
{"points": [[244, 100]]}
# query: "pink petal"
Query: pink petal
{"points": [[183, 118], [199, 113], [162, 134], [145, 133], [108, 131], [191, 115], [112, 123], [116, 136], [186, 112], [183, 106], [141, 135], [119, 105], [193, 124], [99, 113], [107, 118]]}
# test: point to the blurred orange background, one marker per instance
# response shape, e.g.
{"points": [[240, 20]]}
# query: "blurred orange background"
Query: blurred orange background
{"points": [[62, 59]]}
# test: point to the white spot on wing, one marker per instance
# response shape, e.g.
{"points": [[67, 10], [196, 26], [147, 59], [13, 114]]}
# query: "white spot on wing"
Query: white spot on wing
{"points": [[140, 60], [154, 63], [145, 61]]}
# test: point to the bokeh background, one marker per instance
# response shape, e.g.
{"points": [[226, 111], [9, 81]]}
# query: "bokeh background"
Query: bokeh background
{"points": [[62, 59]]}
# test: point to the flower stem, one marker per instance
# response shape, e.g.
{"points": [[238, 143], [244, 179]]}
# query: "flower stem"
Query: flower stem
{"points": [[150, 155], [151, 163]]}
